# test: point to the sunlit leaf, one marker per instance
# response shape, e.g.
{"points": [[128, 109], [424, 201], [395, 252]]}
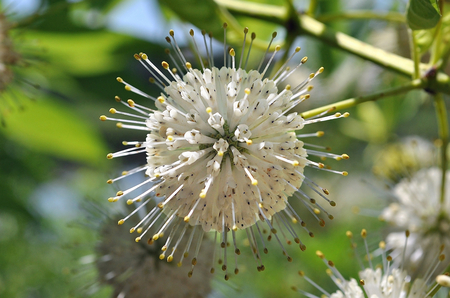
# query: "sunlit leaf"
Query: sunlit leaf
{"points": [[55, 129], [422, 14]]}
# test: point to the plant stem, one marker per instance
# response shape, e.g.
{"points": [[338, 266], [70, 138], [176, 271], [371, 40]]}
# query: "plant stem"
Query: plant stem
{"points": [[441, 114], [414, 54], [362, 14], [312, 7], [351, 102]]}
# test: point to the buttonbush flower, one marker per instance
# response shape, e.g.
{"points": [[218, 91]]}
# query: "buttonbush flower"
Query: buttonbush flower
{"points": [[418, 207], [384, 281], [223, 152], [134, 270]]}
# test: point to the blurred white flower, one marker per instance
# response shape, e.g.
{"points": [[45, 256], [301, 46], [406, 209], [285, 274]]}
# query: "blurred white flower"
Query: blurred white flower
{"points": [[386, 280], [418, 208], [222, 150]]}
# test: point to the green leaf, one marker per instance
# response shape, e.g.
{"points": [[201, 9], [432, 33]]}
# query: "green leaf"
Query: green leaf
{"points": [[422, 14], [52, 128], [204, 14]]}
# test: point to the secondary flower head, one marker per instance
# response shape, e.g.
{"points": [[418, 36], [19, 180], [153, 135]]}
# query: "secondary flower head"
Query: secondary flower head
{"points": [[222, 148], [419, 208], [384, 281], [134, 270]]}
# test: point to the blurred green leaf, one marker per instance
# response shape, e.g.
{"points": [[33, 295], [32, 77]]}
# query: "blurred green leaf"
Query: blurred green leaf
{"points": [[83, 54], [54, 129], [204, 14], [422, 14], [424, 39]]}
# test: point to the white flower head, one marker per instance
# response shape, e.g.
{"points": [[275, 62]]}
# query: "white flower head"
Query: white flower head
{"points": [[420, 209], [222, 148], [385, 281]]}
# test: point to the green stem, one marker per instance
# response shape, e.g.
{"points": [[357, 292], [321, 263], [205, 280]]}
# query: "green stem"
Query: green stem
{"points": [[441, 114], [437, 40], [351, 102], [362, 14], [312, 7], [415, 55]]}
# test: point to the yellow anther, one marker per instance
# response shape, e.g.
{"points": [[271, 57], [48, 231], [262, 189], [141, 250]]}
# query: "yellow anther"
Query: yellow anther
{"points": [[188, 65], [127, 87], [346, 114], [169, 258], [144, 56], [234, 228], [294, 220], [254, 182], [309, 88], [209, 110], [349, 234], [364, 233], [170, 138], [247, 91], [321, 165], [321, 70], [320, 254], [155, 237], [407, 233], [304, 59], [165, 65], [139, 230], [338, 115], [161, 99], [171, 32], [111, 199], [125, 143], [220, 153], [288, 87], [137, 57], [137, 239], [312, 75], [132, 230], [109, 156], [306, 96], [179, 264], [129, 202], [120, 222], [382, 244], [187, 218], [130, 102], [320, 133], [202, 194], [115, 199], [119, 193], [345, 156], [160, 205], [316, 211], [332, 203], [157, 175], [162, 256], [117, 98], [344, 173], [124, 173], [232, 52], [225, 25], [295, 163], [301, 273], [103, 117], [249, 142], [277, 48], [119, 79], [110, 181], [119, 124], [297, 49]]}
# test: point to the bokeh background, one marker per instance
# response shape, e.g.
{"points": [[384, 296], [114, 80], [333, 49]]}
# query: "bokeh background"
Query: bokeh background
{"points": [[53, 166]]}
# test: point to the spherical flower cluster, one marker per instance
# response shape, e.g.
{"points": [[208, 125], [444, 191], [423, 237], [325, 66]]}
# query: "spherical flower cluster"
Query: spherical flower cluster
{"points": [[134, 270], [222, 149], [405, 157], [420, 207], [385, 281]]}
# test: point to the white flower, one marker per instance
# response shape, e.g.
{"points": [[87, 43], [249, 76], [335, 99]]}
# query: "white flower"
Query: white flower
{"points": [[385, 281], [419, 209], [222, 149]]}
